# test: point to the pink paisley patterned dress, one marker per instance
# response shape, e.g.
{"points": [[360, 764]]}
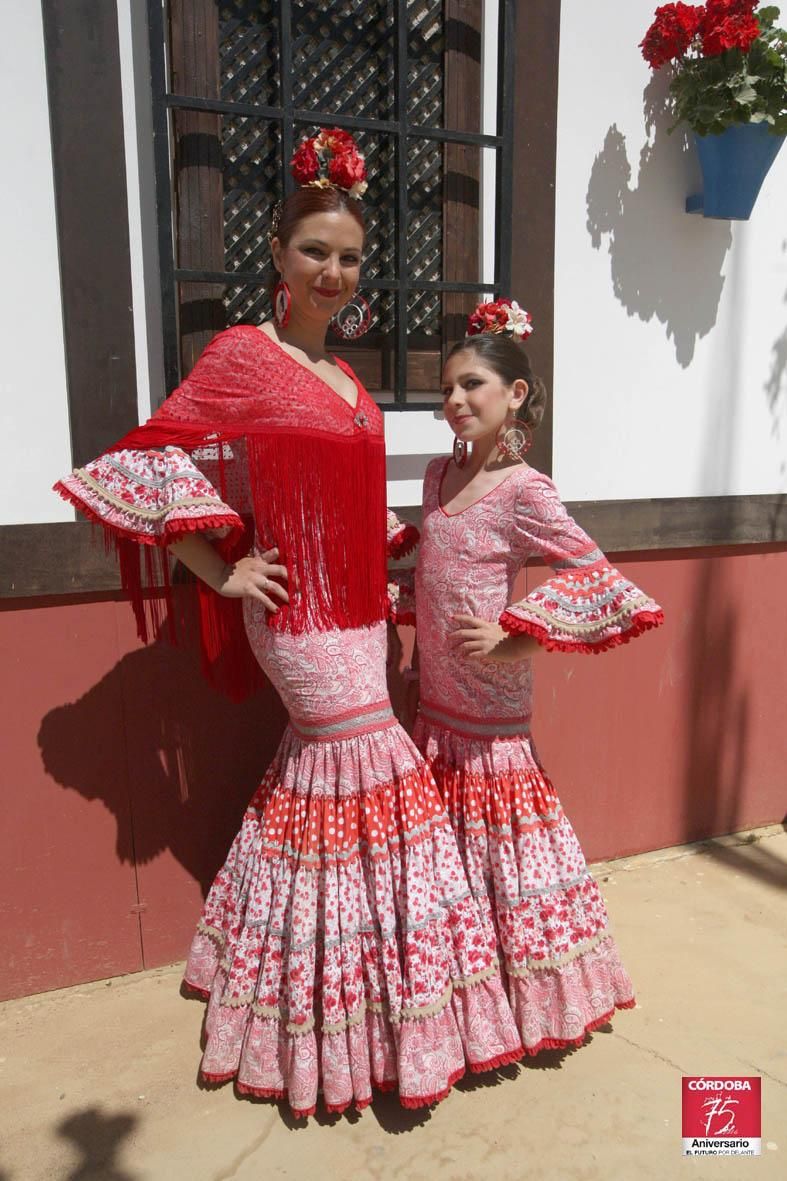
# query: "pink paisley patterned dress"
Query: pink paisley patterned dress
{"points": [[541, 906], [340, 947]]}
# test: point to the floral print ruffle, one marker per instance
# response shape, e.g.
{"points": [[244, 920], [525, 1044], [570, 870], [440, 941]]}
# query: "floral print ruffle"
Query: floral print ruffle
{"points": [[528, 874], [586, 609], [151, 497], [339, 946]]}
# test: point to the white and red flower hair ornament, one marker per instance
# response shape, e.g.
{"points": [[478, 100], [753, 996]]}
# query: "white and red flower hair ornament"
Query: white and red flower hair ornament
{"points": [[330, 158], [504, 317]]}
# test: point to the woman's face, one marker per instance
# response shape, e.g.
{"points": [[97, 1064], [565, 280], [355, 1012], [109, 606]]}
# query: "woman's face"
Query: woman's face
{"points": [[321, 263], [476, 400]]}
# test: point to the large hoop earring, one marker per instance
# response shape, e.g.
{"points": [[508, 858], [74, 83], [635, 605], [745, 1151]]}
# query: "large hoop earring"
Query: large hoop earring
{"points": [[515, 440], [353, 319], [282, 304], [460, 452]]}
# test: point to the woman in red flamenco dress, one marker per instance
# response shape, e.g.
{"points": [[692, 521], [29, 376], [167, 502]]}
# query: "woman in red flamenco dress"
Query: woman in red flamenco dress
{"points": [[339, 949]]}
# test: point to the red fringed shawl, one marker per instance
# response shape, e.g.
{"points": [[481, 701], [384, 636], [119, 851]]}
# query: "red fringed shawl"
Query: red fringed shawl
{"points": [[299, 466]]}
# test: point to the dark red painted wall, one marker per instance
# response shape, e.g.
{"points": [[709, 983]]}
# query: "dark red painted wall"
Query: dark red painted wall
{"points": [[681, 734], [125, 776]]}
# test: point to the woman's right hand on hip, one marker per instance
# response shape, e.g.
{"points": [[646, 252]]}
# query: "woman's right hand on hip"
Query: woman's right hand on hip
{"points": [[256, 576]]}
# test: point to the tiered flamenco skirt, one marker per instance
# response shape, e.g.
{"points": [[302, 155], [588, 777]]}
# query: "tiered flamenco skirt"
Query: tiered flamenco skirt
{"points": [[340, 947], [527, 872]]}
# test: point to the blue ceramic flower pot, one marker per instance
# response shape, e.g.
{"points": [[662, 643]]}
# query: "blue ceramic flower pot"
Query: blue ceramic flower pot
{"points": [[734, 165]]}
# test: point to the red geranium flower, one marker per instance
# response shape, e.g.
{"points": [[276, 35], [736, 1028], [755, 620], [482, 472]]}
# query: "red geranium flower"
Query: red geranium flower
{"points": [[305, 166], [717, 10], [670, 34], [735, 31]]}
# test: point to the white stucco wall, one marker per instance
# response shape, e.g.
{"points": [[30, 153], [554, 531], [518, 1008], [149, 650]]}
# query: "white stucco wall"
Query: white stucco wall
{"points": [[670, 329], [141, 187], [33, 395]]}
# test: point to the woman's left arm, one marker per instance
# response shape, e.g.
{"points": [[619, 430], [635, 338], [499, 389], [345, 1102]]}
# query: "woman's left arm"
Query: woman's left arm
{"points": [[587, 605]]}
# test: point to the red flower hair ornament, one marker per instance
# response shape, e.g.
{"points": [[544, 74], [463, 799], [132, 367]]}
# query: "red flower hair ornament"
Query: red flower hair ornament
{"points": [[330, 158], [502, 317]]}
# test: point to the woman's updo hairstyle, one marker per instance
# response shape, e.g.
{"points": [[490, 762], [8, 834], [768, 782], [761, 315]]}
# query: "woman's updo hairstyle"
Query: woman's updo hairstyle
{"points": [[306, 201], [511, 363]]}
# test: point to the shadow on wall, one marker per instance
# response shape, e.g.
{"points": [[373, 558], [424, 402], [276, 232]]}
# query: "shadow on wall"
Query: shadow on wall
{"points": [[718, 720], [184, 763], [174, 761], [776, 385], [664, 262], [718, 709]]}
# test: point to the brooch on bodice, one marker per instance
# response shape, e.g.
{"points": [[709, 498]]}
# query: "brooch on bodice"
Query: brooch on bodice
{"points": [[360, 419]]}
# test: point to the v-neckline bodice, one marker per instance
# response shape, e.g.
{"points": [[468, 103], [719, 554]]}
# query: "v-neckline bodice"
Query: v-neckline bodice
{"points": [[345, 368], [480, 499]]}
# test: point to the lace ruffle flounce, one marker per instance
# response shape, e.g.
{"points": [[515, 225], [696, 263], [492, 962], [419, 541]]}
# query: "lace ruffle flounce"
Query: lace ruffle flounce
{"points": [[584, 609], [150, 497], [528, 875], [401, 596], [402, 537]]}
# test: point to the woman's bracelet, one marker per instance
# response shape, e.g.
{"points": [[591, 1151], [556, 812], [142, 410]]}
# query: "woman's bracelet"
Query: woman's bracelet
{"points": [[410, 674]]}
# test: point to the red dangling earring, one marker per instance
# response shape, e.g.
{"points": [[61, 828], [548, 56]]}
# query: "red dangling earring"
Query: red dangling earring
{"points": [[282, 302], [353, 319], [516, 440], [460, 452]]}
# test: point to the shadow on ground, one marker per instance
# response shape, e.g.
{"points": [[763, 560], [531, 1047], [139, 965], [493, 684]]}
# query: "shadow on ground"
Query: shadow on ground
{"points": [[99, 1138]]}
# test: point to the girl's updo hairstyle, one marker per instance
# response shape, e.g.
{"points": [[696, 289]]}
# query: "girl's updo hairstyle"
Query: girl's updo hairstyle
{"points": [[311, 199], [511, 363]]}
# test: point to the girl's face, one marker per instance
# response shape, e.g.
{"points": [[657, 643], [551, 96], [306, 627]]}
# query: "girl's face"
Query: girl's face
{"points": [[476, 401], [321, 263]]}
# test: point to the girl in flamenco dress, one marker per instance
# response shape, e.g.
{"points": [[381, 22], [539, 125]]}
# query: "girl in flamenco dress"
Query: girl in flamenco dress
{"points": [[340, 948], [485, 513]]}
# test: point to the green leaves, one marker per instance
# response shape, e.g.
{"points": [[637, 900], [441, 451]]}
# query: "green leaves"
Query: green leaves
{"points": [[767, 17], [712, 93]]}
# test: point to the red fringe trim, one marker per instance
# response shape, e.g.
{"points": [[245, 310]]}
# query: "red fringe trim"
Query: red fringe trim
{"points": [[215, 1079], [641, 622], [501, 1060], [414, 1101], [403, 542], [175, 530], [202, 993], [172, 532], [385, 1087], [556, 1043]]}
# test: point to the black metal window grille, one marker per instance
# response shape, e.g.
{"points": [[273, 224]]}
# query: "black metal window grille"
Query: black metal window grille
{"points": [[293, 67]]}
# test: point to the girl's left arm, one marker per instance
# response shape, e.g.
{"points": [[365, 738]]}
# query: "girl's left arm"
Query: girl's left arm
{"points": [[401, 536], [587, 605]]}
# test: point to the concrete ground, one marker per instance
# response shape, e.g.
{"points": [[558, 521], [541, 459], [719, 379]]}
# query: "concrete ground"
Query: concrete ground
{"points": [[97, 1083]]}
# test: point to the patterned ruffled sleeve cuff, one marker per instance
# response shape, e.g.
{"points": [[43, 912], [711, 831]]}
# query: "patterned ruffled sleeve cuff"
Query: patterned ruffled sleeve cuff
{"points": [[401, 596], [402, 536], [584, 609], [151, 497]]}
